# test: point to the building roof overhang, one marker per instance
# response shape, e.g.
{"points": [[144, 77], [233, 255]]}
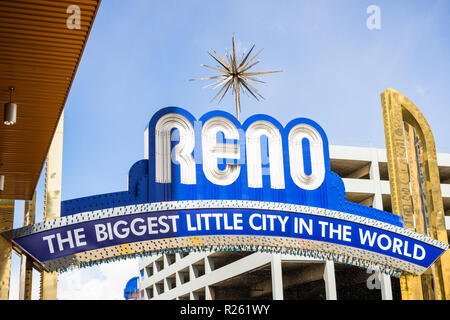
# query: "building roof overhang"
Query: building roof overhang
{"points": [[39, 57]]}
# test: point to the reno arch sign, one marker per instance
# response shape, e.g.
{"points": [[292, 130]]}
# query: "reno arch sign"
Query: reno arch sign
{"points": [[214, 183], [244, 148], [216, 157]]}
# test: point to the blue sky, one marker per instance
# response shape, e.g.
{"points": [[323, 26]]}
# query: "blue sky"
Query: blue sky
{"points": [[141, 54]]}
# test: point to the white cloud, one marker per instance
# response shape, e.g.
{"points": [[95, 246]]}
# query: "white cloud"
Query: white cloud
{"points": [[103, 282]]}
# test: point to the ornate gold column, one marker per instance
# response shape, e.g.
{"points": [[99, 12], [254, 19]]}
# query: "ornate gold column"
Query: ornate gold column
{"points": [[416, 189], [6, 223], [52, 205]]}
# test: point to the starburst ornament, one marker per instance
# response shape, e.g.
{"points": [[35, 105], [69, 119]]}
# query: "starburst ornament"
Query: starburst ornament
{"points": [[235, 75]]}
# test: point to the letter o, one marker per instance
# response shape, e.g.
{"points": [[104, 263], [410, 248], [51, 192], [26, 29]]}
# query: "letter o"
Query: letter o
{"points": [[296, 154], [389, 244]]}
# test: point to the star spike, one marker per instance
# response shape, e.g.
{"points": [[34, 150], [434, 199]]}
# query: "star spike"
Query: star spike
{"points": [[234, 74]]}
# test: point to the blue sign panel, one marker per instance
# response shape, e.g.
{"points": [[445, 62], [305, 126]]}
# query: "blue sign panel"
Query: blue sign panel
{"points": [[217, 184], [299, 231]]}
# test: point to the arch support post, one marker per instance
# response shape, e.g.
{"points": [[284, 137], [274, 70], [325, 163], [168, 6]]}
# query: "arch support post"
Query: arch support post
{"points": [[52, 206], [416, 189], [6, 223], [26, 265]]}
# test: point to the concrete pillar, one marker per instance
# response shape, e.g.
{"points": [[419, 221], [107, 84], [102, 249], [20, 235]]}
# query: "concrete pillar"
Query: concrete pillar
{"points": [[52, 207], [193, 295], [374, 175], [6, 223], [210, 293], [277, 277], [330, 280], [386, 288], [179, 278], [385, 280], [193, 272], [166, 284], [209, 265]]}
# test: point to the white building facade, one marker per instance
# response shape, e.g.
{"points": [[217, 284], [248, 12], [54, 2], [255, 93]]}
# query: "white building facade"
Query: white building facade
{"points": [[259, 276]]}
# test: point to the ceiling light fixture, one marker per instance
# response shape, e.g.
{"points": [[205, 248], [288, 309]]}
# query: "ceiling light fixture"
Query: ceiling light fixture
{"points": [[9, 117]]}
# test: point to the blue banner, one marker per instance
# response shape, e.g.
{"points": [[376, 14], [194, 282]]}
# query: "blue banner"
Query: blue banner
{"points": [[354, 240]]}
